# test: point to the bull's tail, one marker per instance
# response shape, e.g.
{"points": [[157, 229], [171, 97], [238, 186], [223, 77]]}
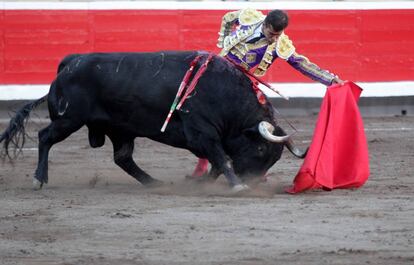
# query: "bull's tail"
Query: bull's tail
{"points": [[15, 133]]}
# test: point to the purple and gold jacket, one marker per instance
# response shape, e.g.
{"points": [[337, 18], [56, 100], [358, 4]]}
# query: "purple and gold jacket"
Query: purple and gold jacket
{"points": [[247, 46]]}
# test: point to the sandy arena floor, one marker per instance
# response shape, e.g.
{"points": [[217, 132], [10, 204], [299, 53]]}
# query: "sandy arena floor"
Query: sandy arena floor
{"points": [[91, 212]]}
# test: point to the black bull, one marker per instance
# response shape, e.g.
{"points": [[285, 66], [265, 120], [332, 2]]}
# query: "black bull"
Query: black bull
{"points": [[128, 95]]}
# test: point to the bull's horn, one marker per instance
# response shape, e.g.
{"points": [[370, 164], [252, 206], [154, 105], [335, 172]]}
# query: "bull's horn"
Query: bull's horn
{"points": [[266, 130], [293, 149]]}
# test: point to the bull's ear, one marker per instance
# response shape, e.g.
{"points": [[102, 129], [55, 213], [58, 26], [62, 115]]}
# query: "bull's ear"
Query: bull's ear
{"points": [[252, 132]]}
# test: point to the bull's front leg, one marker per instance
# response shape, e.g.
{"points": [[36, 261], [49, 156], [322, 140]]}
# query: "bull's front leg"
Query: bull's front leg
{"points": [[222, 163], [234, 181], [214, 173]]}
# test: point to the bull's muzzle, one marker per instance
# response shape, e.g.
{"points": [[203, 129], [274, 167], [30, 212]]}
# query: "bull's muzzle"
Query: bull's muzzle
{"points": [[266, 131]]}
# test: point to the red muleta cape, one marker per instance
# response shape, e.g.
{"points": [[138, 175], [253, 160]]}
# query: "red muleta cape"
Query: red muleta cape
{"points": [[338, 154]]}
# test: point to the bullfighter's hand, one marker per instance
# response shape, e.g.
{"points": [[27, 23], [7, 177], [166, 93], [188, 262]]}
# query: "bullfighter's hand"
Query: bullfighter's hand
{"points": [[337, 80]]}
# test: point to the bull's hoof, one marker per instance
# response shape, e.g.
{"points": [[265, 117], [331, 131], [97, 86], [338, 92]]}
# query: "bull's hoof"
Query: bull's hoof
{"points": [[37, 185], [240, 188], [154, 183]]}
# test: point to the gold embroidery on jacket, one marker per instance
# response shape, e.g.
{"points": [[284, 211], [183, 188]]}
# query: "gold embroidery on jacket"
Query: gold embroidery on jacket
{"points": [[266, 61], [248, 17], [257, 45], [284, 47], [239, 50], [227, 23], [250, 57], [237, 53]]}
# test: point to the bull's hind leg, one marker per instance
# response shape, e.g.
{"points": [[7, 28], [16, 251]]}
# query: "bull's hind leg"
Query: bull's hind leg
{"points": [[123, 149], [56, 132]]}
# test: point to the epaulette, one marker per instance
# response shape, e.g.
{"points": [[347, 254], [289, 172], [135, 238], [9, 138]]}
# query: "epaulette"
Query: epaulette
{"points": [[284, 47], [231, 16], [227, 23], [249, 16], [230, 41]]}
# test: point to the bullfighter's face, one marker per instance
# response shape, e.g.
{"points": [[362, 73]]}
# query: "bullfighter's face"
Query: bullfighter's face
{"points": [[271, 35]]}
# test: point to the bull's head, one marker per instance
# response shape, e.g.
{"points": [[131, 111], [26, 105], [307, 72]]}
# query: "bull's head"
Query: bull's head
{"points": [[257, 149]]}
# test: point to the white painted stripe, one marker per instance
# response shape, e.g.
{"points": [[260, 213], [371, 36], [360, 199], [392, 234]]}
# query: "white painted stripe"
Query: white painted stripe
{"points": [[367, 130], [293, 90], [316, 90], [11, 112], [22, 92], [402, 129], [56, 148], [30, 149], [206, 5], [389, 129]]}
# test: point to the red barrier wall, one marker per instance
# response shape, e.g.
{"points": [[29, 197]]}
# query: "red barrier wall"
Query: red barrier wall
{"points": [[359, 45]]}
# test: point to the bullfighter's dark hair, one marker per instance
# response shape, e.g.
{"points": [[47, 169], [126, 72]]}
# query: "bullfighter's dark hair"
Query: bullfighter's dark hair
{"points": [[278, 19]]}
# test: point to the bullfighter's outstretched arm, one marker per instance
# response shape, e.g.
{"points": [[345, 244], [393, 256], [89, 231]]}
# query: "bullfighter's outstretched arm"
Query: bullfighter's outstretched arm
{"points": [[309, 69], [287, 51]]}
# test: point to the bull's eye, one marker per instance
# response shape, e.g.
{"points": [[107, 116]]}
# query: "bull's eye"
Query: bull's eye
{"points": [[260, 150]]}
